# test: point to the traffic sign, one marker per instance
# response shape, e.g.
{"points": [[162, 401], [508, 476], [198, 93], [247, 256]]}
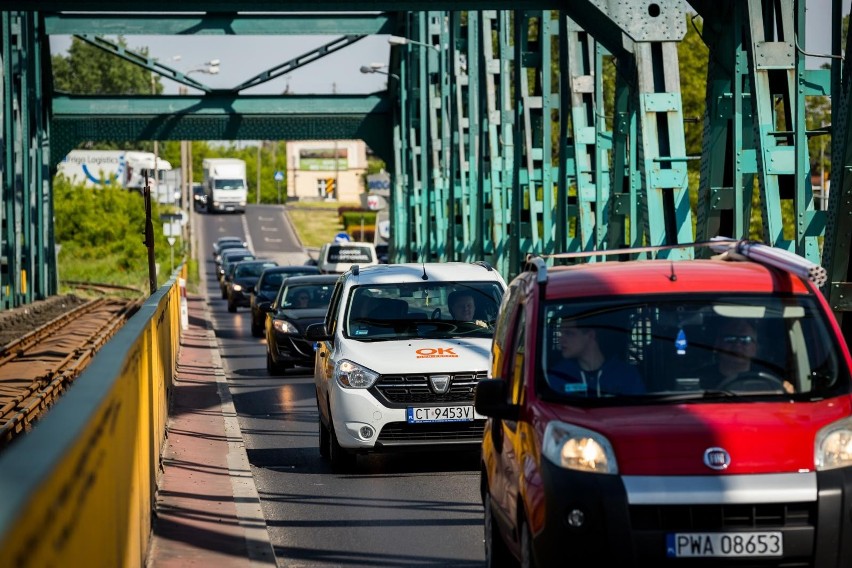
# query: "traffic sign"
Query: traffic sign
{"points": [[342, 238], [279, 176]]}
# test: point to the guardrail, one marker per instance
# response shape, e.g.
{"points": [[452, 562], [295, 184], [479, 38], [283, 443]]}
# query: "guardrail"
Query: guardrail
{"points": [[79, 489]]}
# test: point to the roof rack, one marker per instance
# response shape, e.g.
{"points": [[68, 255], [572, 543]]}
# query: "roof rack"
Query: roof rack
{"points": [[483, 264], [726, 247]]}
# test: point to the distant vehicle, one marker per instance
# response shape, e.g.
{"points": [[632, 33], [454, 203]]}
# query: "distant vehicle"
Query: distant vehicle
{"points": [[301, 301], [382, 253], [220, 244], [338, 257], [229, 257], [225, 184], [199, 198], [264, 291], [246, 274], [120, 168]]}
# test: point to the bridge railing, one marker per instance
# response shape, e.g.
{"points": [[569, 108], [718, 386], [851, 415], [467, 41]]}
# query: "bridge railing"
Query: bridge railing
{"points": [[79, 489]]}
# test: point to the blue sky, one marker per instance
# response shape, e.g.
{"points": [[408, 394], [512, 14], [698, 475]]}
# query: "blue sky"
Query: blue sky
{"points": [[243, 57]]}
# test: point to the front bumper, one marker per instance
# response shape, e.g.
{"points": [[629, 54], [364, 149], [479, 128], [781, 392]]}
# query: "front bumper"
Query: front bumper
{"points": [[816, 533]]}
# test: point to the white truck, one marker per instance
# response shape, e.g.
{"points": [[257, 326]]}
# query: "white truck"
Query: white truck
{"points": [[120, 168], [225, 184]]}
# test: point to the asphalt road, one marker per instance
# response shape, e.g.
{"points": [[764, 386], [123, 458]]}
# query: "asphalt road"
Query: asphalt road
{"points": [[399, 510]]}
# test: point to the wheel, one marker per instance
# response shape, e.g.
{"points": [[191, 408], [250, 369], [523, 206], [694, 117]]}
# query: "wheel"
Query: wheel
{"points": [[753, 381], [272, 367], [224, 293], [527, 557], [232, 307], [256, 330], [497, 554], [341, 460], [324, 439]]}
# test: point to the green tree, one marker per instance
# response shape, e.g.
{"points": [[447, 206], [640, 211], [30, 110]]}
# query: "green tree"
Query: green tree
{"points": [[89, 70]]}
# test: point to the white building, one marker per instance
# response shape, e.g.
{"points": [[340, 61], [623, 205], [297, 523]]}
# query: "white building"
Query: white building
{"points": [[326, 169]]}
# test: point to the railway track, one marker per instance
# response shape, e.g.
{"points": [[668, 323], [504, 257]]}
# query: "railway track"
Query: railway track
{"points": [[39, 366]]}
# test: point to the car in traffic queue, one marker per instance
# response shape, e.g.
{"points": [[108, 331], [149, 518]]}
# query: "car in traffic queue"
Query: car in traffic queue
{"points": [[263, 293], [245, 276], [227, 241], [395, 368], [668, 413], [339, 256], [199, 198], [301, 301], [229, 259]]}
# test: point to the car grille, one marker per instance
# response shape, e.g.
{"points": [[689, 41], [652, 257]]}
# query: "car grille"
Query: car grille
{"points": [[400, 390], [722, 517], [447, 432]]}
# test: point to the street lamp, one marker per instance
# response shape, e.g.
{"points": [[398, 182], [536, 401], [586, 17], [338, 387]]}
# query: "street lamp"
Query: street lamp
{"points": [[400, 40], [378, 68]]}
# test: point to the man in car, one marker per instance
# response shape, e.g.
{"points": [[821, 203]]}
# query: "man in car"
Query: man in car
{"points": [[584, 370], [463, 307]]}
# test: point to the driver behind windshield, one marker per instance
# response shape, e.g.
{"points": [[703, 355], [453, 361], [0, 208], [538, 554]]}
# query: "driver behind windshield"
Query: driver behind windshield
{"points": [[735, 348]]}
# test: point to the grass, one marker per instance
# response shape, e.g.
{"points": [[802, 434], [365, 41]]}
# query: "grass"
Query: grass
{"points": [[315, 223]]}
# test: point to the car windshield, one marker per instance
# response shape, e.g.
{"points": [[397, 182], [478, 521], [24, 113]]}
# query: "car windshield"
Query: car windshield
{"points": [[702, 348], [251, 270], [305, 296], [350, 254], [386, 312], [272, 281]]}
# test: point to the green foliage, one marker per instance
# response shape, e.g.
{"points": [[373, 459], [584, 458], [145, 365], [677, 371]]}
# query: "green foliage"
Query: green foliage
{"points": [[101, 234], [89, 70], [693, 56]]}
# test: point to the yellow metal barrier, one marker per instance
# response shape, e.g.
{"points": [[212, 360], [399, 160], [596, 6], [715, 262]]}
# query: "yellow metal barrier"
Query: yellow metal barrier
{"points": [[79, 489]]}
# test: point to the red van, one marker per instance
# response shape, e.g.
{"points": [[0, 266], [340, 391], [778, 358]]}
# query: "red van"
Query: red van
{"points": [[668, 413]]}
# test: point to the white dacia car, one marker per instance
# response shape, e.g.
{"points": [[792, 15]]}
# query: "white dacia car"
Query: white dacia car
{"points": [[396, 368]]}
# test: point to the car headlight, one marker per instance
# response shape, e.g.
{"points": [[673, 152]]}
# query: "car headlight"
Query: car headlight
{"points": [[833, 446], [351, 375], [573, 447], [284, 326], [237, 288]]}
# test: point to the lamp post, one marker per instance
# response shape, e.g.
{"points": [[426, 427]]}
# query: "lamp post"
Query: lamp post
{"points": [[400, 40], [378, 68]]}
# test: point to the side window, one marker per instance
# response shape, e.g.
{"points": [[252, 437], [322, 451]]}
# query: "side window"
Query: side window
{"points": [[500, 347], [334, 303], [518, 354]]}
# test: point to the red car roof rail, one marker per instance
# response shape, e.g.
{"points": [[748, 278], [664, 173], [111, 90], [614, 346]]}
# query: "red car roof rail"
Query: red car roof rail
{"points": [[726, 247]]}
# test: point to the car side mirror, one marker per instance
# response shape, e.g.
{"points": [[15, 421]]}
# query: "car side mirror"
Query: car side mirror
{"points": [[491, 398], [317, 332]]}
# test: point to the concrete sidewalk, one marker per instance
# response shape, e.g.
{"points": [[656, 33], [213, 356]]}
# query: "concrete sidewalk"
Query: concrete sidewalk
{"points": [[207, 510]]}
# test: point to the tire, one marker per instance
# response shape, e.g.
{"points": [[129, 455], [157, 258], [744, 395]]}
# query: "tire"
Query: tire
{"points": [[256, 330], [272, 367], [497, 554], [224, 293], [341, 460], [324, 440], [232, 307]]}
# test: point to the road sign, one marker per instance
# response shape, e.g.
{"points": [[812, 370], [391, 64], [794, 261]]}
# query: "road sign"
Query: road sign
{"points": [[171, 241], [279, 176], [342, 238]]}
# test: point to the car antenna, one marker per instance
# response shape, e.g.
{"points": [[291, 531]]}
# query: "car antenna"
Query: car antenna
{"points": [[673, 276], [423, 263]]}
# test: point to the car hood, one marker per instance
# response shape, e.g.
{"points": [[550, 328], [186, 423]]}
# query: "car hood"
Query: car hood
{"points": [[419, 355], [302, 318], [760, 437]]}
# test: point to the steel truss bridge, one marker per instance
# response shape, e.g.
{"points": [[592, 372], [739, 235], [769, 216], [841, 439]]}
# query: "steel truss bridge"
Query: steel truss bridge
{"points": [[496, 124]]}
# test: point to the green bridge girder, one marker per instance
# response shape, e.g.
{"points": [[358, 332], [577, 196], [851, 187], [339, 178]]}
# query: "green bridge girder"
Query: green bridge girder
{"points": [[495, 150]]}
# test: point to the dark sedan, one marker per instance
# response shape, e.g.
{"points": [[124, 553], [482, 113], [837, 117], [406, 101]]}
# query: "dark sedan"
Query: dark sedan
{"points": [[228, 262], [264, 291], [246, 274], [301, 301]]}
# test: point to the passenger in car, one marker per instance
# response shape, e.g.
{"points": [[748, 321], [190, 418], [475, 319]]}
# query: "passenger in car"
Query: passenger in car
{"points": [[584, 370]]}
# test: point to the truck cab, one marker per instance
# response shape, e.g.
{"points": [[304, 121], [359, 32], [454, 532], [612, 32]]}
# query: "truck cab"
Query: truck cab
{"points": [[225, 184]]}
